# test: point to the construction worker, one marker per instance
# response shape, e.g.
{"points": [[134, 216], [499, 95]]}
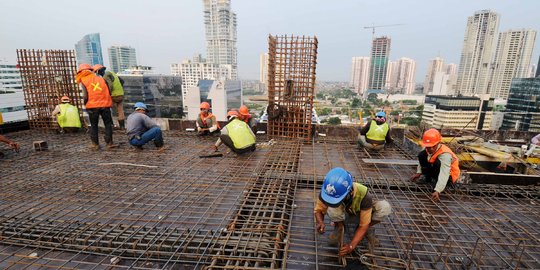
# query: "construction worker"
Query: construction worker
{"points": [[67, 116], [246, 117], [535, 142], [141, 128], [236, 135], [206, 121], [13, 145], [116, 86], [437, 164], [347, 201], [376, 133], [98, 102]]}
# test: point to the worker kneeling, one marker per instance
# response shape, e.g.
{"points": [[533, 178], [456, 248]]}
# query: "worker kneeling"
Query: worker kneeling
{"points": [[141, 128], [67, 116], [348, 201], [437, 164], [376, 133], [236, 135]]}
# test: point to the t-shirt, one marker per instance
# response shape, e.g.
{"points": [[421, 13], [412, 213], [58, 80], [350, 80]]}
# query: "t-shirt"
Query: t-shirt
{"points": [[138, 123]]}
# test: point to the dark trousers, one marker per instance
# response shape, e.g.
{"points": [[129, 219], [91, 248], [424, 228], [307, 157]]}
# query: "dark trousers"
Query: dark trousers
{"points": [[431, 170], [94, 114], [226, 140]]}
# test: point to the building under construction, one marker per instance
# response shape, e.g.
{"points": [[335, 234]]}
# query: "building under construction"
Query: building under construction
{"points": [[65, 206]]}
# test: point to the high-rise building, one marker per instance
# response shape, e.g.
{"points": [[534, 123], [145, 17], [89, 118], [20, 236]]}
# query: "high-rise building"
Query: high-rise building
{"points": [[512, 60], [458, 112], [360, 74], [88, 50], [263, 70], [523, 107], [477, 53], [192, 71], [537, 68], [12, 105], [220, 26], [380, 52], [435, 65], [532, 71], [121, 58], [400, 77]]}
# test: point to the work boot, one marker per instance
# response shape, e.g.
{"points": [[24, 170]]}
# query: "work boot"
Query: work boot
{"points": [[112, 145], [122, 124], [94, 146]]}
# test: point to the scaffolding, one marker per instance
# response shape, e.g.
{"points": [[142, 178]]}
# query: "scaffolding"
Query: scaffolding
{"points": [[291, 82], [46, 76]]}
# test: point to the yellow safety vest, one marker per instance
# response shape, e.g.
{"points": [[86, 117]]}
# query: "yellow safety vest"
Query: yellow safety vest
{"points": [[69, 116], [358, 196], [240, 134], [377, 132], [117, 88]]}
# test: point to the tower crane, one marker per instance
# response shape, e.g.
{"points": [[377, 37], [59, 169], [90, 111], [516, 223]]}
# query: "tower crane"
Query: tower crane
{"points": [[378, 26]]}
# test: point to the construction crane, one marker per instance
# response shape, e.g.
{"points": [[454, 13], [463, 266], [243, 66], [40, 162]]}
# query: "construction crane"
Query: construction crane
{"points": [[378, 26]]}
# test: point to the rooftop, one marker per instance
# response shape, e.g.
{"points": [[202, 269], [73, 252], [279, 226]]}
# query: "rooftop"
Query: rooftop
{"points": [[73, 208]]}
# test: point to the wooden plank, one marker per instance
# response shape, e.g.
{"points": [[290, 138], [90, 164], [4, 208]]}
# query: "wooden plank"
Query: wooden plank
{"points": [[406, 162]]}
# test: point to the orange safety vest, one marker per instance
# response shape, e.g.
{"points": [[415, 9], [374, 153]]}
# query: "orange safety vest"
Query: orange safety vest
{"points": [[247, 118], [98, 92], [454, 166], [203, 120]]}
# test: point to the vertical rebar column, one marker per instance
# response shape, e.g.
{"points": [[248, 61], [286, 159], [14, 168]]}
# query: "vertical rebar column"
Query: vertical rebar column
{"points": [[291, 85], [46, 76]]}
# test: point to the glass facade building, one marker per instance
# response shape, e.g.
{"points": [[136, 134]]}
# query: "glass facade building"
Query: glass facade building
{"points": [[88, 50], [523, 107]]}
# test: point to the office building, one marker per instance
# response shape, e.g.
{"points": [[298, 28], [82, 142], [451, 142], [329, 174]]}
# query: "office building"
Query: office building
{"points": [[523, 106], [223, 95], [121, 58], [477, 53], [360, 74], [512, 60], [88, 50], [458, 112], [12, 105], [380, 52]]}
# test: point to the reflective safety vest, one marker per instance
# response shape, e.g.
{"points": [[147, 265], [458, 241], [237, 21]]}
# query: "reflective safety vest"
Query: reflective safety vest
{"points": [[359, 194], [240, 134], [69, 116], [454, 166], [203, 120], [377, 132], [117, 88], [98, 92]]}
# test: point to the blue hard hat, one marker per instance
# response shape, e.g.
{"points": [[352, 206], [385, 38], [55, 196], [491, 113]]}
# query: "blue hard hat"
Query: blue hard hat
{"points": [[381, 114], [337, 184], [140, 105]]}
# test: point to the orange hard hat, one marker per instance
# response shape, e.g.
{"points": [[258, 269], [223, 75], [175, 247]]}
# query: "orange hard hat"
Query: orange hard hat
{"points": [[65, 99], [205, 105], [84, 67], [232, 113], [244, 110], [97, 67], [431, 138]]}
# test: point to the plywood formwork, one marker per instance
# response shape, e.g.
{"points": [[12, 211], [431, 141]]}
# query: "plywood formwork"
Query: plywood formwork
{"points": [[47, 75], [291, 82]]}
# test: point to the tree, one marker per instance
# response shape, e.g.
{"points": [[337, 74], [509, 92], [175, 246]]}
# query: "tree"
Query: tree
{"points": [[355, 103], [334, 121], [372, 97], [324, 111]]}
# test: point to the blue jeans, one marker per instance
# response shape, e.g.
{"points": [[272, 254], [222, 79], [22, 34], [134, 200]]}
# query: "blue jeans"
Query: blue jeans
{"points": [[151, 134]]}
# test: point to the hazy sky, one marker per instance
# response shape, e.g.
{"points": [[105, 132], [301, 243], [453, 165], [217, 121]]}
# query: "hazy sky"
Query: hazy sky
{"points": [[165, 32]]}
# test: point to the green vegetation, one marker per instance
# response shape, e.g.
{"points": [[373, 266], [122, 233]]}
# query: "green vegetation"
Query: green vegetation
{"points": [[334, 121]]}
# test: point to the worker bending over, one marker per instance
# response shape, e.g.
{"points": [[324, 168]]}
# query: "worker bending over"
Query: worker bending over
{"points": [[437, 164], [236, 135], [347, 201], [141, 128], [67, 116], [206, 121], [376, 133]]}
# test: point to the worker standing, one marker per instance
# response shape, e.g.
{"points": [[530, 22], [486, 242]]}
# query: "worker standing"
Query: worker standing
{"points": [[141, 128], [67, 116], [98, 102], [437, 164], [236, 135], [116, 86], [206, 121], [247, 117], [345, 200], [376, 133], [13, 145]]}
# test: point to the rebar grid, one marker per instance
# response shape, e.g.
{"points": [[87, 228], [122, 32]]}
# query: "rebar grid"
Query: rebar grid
{"points": [[75, 211], [291, 84], [46, 76]]}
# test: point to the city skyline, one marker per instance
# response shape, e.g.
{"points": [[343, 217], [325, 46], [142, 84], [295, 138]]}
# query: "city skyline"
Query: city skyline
{"points": [[429, 29]]}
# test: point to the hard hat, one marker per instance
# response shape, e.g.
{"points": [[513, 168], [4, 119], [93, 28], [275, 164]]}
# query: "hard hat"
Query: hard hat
{"points": [[97, 67], [244, 110], [65, 99], [140, 105], [431, 137], [205, 105], [232, 114], [381, 114], [84, 67], [337, 184]]}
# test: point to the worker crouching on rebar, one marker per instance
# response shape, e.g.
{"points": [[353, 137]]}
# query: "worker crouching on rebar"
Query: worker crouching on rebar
{"points": [[67, 116], [141, 128], [376, 133], [206, 121], [438, 164], [346, 201], [236, 135]]}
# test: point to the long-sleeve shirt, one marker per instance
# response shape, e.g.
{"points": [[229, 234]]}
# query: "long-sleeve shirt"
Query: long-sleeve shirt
{"points": [[214, 126], [444, 172], [56, 110], [536, 139], [138, 123]]}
